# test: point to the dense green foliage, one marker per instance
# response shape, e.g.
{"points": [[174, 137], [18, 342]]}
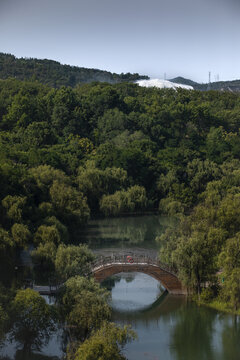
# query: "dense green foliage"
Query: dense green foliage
{"points": [[208, 239], [104, 344], [69, 154], [33, 319], [72, 260], [85, 306], [52, 73]]}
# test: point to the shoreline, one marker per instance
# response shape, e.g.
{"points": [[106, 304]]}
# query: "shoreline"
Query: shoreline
{"points": [[219, 306]]}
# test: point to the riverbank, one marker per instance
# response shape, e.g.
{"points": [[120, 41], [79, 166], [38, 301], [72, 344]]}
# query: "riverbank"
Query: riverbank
{"points": [[219, 306]]}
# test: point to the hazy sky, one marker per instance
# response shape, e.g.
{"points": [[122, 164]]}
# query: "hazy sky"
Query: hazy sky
{"points": [[176, 37]]}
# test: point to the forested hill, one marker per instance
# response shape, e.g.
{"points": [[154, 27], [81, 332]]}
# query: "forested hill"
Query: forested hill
{"points": [[54, 74], [233, 85], [104, 149]]}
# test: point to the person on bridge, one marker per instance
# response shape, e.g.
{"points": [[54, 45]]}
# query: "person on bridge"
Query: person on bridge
{"points": [[130, 259]]}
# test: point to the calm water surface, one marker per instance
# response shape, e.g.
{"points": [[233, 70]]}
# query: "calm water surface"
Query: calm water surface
{"points": [[172, 328], [125, 232], [168, 327]]}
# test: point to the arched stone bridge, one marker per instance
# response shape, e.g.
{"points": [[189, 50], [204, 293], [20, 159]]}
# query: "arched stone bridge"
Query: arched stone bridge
{"points": [[104, 267]]}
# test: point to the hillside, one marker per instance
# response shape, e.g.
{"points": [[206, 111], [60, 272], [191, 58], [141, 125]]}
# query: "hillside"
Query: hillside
{"points": [[104, 150], [233, 85], [54, 74]]}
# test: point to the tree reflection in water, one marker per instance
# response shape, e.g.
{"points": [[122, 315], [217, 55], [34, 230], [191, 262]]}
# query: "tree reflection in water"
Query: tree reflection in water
{"points": [[33, 321], [231, 338], [132, 230], [21, 355], [175, 328], [192, 335]]}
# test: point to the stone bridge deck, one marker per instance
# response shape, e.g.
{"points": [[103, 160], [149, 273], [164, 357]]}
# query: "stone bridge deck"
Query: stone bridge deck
{"points": [[108, 266]]}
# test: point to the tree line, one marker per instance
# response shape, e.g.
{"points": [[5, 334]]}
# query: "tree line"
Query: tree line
{"points": [[69, 154], [54, 74]]}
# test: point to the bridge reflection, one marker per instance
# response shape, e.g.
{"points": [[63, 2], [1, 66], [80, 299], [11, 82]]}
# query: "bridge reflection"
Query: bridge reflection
{"points": [[105, 267], [163, 307]]}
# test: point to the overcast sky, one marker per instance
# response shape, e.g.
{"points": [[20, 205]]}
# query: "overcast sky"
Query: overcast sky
{"points": [[153, 37]]}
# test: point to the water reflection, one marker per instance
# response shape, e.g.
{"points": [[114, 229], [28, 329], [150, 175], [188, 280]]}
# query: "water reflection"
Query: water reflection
{"points": [[21, 355], [197, 327], [168, 327], [48, 347], [230, 338], [211, 335], [128, 294], [177, 329], [126, 231], [53, 350]]}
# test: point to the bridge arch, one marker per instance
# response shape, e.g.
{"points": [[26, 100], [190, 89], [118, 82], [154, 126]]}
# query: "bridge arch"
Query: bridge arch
{"points": [[107, 267]]}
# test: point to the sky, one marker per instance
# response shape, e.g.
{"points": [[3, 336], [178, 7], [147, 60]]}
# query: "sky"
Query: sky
{"points": [[185, 38]]}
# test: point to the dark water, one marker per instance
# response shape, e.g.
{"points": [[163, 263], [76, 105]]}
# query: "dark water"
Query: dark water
{"points": [[124, 232], [173, 328], [168, 327]]}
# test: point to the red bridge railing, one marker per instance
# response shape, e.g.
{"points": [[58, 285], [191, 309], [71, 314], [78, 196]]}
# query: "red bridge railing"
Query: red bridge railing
{"points": [[104, 261]]}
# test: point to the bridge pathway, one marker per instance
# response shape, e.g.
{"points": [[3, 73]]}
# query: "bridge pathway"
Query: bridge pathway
{"points": [[108, 266]]}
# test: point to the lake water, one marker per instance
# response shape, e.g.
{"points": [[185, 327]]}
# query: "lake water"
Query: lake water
{"points": [[171, 328], [168, 327], [125, 232]]}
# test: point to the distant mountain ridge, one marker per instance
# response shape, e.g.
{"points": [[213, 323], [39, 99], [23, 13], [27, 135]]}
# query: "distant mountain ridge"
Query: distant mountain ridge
{"points": [[233, 85], [54, 74]]}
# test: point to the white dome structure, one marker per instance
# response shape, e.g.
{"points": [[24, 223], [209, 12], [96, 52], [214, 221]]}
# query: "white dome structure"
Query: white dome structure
{"points": [[162, 84]]}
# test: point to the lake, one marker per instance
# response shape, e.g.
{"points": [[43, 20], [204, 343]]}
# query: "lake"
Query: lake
{"points": [[168, 327]]}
